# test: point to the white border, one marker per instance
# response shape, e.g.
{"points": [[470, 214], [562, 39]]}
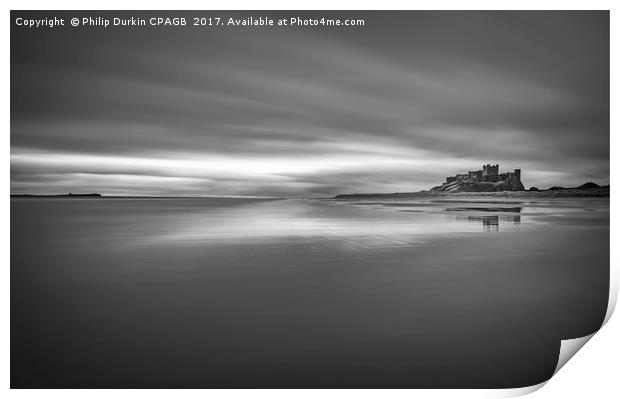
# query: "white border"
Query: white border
{"points": [[592, 372]]}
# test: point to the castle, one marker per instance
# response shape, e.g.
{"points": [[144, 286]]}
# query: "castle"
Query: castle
{"points": [[487, 179]]}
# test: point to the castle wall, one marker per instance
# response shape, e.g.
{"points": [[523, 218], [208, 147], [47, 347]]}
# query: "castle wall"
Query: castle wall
{"points": [[475, 175], [488, 174]]}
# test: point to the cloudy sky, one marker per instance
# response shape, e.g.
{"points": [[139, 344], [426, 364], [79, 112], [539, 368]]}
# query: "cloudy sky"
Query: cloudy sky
{"points": [[395, 105]]}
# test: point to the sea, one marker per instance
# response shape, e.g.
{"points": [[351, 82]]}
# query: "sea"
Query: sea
{"points": [[428, 292]]}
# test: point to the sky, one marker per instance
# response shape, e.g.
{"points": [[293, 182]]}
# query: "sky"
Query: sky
{"points": [[395, 105]]}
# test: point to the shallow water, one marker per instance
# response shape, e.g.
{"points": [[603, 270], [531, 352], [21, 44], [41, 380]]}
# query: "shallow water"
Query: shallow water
{"points": [[232, 292]]}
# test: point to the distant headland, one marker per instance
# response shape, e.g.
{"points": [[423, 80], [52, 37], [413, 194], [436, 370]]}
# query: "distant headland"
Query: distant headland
{"points": [[489, 181], [70, 195]]}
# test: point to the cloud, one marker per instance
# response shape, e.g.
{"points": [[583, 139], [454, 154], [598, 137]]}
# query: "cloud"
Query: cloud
{"points": [[395, 106]]}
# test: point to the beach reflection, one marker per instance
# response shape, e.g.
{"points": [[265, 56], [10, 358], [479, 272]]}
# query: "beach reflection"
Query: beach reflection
{"points": [[362, 224], [354, 223], [351, 224], [491, 223]]}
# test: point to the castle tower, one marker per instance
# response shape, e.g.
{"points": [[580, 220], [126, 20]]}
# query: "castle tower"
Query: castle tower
{"points": [[490, 172]]}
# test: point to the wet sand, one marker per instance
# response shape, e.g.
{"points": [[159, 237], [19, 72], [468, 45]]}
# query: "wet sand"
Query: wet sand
{"points": [[241, 293]]}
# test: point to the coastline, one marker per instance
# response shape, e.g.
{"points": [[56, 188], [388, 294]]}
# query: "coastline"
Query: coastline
{"points": [[571, 192]]}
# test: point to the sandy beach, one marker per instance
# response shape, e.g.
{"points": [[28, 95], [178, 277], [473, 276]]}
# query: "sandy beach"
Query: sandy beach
{"points": [[453, 291]]}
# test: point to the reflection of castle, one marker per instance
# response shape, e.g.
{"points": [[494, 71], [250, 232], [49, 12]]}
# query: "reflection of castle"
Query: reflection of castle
{"points": [[491, 223], [487, 179]]}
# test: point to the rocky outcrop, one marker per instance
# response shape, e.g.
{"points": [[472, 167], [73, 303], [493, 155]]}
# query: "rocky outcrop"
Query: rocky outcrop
{"points": [[588, 186], [488, 179], [477, 187]]}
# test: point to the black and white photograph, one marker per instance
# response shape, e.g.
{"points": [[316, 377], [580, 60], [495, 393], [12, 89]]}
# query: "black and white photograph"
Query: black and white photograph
{"points": [[307, 199]]}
